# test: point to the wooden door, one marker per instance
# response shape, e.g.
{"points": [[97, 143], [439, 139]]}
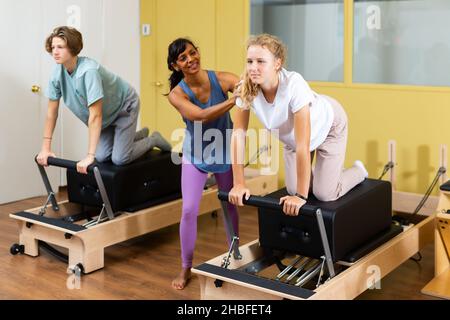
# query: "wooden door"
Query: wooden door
{"points": [[20, 109]]}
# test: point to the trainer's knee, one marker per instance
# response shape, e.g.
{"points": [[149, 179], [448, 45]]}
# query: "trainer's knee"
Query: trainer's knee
{"points": [[189, 211]]}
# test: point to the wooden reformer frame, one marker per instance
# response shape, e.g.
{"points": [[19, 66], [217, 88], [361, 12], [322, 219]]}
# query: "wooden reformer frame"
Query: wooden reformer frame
{"points": [[238, 280], [439, 286], [226, 278]]}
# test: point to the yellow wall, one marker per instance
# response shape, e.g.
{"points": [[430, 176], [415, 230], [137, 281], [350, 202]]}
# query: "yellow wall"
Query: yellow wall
{"points": [[414, 116], [218, 27]]}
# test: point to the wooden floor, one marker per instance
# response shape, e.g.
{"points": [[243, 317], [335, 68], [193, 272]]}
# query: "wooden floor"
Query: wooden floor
{"points": [[143, 268]]}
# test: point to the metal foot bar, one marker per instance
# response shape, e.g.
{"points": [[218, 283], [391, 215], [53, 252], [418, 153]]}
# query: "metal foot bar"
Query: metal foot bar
{"points": [[226, 259], [51, 195], [103, 193], [99, 219], [73, 165], [321, 272], [326, 245], [231, 232], [273, 204], [50, 198]]}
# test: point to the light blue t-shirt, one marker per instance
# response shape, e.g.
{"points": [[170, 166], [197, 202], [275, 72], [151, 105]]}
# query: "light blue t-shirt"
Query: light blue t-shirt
{"points": [[88, 83]]}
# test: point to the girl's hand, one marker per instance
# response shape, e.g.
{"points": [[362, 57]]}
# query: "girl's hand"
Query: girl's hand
{"points": [[292, 205]]}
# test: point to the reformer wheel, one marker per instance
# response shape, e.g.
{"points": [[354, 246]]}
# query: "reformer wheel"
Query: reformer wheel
{"points": [[17, 248]]}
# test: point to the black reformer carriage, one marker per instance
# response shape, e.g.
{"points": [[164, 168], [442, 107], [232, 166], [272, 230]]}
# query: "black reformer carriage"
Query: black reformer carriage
{"points": [[109, 205], [312, 255]]}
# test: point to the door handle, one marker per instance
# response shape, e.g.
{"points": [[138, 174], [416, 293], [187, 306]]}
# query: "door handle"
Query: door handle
{"points": [[35, 89], [158, 84]]}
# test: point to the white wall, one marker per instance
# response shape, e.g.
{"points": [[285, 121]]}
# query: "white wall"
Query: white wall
{"points": [[122, 41]]}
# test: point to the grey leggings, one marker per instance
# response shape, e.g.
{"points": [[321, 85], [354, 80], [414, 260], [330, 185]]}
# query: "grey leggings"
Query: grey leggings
{"points": [[117, 140]]}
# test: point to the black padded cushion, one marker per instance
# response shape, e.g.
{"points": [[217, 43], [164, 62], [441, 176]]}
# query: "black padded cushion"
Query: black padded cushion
{"points": [[445, 186], [374, 243], [148, 181], [350, 222]]}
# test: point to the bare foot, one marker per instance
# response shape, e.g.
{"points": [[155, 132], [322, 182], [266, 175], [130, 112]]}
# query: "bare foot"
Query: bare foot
{"points": [[182, 279]]}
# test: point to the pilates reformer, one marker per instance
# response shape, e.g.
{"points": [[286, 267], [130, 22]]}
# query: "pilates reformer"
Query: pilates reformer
{"points": [[111, 204], [314, 255]]}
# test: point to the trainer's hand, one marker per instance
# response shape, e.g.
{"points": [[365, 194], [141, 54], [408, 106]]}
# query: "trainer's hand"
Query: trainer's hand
{"points": [[237, 88], [236, 93], [236, 195], [292, 205], [238, 101], [43, 156], [85, 163]]}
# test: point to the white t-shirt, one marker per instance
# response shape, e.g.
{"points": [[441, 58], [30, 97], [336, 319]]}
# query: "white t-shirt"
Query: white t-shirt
{"points": [[293, 94]]}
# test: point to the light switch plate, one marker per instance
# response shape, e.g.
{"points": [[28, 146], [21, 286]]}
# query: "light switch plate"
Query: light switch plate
{"points": [[145, 29]]}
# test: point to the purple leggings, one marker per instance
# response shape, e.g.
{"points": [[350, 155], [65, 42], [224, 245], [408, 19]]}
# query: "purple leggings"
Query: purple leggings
{"points": [[192, 183]]}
